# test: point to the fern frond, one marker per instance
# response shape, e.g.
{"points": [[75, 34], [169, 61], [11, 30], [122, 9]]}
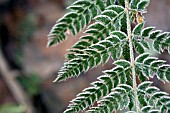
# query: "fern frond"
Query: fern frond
{"points": [[118, 99], [153, 99], [97, 50], [82, 12], [104, 86], [160, 41], [111, 36], [150, 66], [93, 56]]}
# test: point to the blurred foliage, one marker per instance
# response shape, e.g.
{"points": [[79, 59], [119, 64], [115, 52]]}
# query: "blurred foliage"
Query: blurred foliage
{"points": [[26, 28], [12, 108], [30, 83]]}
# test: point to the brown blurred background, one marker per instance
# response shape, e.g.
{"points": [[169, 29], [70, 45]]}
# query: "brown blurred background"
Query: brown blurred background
{"points": [[28, 68]]}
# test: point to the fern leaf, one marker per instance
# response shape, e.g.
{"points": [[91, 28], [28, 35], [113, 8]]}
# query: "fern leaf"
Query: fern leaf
{"points": [[150, 66], [143, 4], [118, 99], [138, 28], [139, 4], [82, 12], [96, 31], [111, 36], [98, 89], [156, 100], [160, 41], [146, 31], [97, 53]]}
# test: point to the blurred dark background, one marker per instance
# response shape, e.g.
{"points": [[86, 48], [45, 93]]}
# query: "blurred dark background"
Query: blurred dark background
{"points": [[28, 68]]}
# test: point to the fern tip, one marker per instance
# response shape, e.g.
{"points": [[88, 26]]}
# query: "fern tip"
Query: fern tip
{"points": [[59, 79]]}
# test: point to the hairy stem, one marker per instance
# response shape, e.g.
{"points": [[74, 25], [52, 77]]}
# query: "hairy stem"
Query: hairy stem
{"points": [[129, 31]]}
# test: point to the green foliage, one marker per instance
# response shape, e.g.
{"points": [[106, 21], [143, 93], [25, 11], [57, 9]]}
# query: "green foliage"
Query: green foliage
{"points": [[30, 83], [11, 108], [109, 36]]}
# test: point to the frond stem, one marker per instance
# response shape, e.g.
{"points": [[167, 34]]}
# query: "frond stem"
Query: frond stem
{"points": [[132, 60]]}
